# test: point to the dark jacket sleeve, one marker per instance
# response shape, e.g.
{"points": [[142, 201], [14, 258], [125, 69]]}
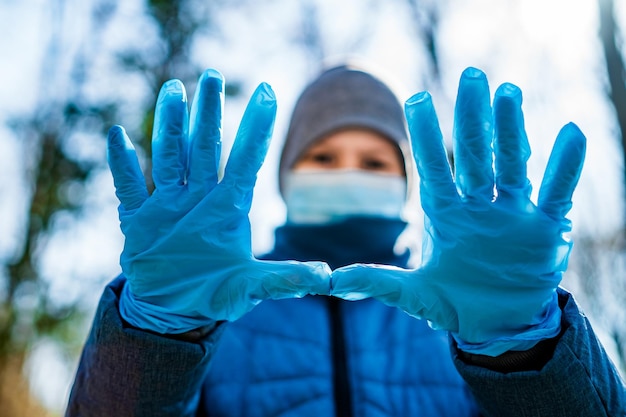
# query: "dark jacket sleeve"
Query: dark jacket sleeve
{"points": [[578, 380], [124, 371]]}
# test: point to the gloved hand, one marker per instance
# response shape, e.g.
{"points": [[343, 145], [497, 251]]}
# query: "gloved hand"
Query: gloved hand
{"points": [[492, 259], [187, 254]]}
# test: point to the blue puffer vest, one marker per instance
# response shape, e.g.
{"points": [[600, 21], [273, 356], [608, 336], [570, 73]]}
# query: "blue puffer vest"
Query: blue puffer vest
{"points": [[321, 356]]}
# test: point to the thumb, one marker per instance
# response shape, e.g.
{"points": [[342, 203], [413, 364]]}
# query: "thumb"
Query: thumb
{"points": [[292, 279], [360, 281], [407, 289]]}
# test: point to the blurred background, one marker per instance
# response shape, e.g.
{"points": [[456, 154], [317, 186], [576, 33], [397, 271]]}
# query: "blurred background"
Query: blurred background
{"points": [[72, 68]]}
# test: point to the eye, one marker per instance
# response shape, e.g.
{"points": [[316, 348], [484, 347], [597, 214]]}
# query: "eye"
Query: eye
{"points": [[375, 164], [322, 158]]}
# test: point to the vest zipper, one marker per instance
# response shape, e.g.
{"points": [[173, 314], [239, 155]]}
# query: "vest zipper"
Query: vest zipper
{"points": [[341, 385]]}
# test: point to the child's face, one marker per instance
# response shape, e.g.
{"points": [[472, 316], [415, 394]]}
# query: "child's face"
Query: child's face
{"points": [[353, 149]]}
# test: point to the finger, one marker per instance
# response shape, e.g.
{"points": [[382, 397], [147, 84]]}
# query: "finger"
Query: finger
{"points": [[562, 172], [360, 281], [511, 143], [292, 279], [472, 134], [205, 132], [130, 184], [276, 280], [251, 142], [437, 187], [170, 135], [405, 289]]}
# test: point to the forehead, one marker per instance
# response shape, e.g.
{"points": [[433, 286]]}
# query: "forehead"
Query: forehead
{"points": [[356, 139]]}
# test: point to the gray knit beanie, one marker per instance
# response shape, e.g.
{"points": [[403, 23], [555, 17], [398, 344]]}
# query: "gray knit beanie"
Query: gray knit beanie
{"points": [[340, 98]]}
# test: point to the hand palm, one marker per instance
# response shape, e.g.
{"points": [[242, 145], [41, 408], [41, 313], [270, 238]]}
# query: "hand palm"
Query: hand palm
{"points": [[187, 254], [491, 258]]}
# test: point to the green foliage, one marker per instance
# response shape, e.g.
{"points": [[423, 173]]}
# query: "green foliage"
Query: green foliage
{"points": [[27, 311], [56, 176]]}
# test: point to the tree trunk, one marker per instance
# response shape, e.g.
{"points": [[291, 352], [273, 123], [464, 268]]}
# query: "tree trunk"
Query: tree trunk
{"points": [[616, 70]]}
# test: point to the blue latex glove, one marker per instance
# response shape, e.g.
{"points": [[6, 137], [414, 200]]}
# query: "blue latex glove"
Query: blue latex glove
{"points": [[492, 259], [187, 254]]}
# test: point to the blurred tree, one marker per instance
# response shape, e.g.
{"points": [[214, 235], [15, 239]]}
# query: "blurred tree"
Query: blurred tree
{"points": [[425, 16], [55, 175], [611, 39], [615, 68], [318, 45], [170, 55], [163, 57]]}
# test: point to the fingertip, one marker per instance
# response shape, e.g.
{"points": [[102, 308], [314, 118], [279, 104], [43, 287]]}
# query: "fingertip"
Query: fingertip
{"points": [[473, 73], [509, 90], [572, 131], [563, 172], [251, 142], [212, 80], [118, 139], [421, 97], [473, 92], [571, 126], [116, 130], [171, 118], [419, 105], [322, 277], [116, 135], [571, 140], [172, 88], [264, 95], [507, 103], [263, 101], [213, 73], [320, 268]]}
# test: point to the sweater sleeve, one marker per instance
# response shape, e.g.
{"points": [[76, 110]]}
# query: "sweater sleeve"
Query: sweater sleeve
{"points": [[579, 379], [125, 371]]}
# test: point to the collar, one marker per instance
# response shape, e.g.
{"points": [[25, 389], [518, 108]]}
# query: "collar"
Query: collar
{"points": [[353, 240]]}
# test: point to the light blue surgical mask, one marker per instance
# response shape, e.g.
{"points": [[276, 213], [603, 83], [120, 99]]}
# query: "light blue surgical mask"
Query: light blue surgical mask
{"points": [[322, 197]]}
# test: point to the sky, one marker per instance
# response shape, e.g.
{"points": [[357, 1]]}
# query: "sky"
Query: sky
{"points": [[549, 49]]}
